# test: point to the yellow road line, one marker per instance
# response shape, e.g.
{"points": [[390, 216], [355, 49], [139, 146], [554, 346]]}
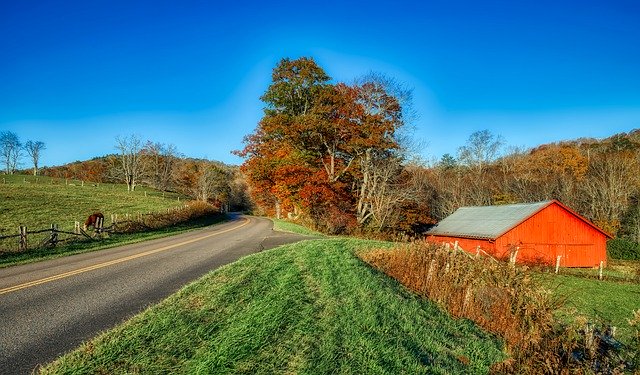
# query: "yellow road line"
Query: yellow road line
{"points": [[112, 262]]}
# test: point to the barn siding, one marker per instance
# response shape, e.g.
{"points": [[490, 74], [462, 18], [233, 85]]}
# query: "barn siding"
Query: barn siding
{"points": [[551, 232]]}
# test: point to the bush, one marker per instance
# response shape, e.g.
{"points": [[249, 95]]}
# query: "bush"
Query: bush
{"points": [[504, 300], [623, 249], [191, 211]]}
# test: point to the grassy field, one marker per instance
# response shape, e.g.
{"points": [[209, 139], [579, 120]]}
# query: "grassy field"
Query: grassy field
{"points": [[311, 307], [607, 302], [38, 202], [35, 255]]}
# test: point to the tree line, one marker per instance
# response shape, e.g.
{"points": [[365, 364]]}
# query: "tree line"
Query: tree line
{"points": [[161, 167], [335, 155], [600, 179], [11, 152]]}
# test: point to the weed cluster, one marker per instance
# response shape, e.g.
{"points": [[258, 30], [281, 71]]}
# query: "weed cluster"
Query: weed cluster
{"points": [[503, 299]]}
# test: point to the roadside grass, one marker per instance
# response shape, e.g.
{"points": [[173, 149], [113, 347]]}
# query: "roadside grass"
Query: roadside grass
{"points": [[38, 202], [287, 226], [84, 246], [311, 307]]}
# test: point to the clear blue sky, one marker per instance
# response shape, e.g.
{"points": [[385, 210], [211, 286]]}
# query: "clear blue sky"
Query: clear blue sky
{"points": [[76, 74]]}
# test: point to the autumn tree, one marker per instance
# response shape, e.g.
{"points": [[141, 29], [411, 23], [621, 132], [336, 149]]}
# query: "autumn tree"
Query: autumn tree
{"points": [[277, 152], [33, 149], [324, 150]]}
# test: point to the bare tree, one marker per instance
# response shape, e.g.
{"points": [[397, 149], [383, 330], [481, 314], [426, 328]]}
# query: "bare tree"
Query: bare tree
{"points": [[10, 148], [33, 148], [131, 166], [162, 162], [610, 183], [481, 149], [213, 183]]}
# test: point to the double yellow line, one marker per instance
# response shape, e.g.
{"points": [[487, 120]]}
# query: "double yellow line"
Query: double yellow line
{"points": [[112, 262]]}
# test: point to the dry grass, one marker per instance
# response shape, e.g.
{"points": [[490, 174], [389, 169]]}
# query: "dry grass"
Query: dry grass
{"points": [[190, 211], [504, 300]]}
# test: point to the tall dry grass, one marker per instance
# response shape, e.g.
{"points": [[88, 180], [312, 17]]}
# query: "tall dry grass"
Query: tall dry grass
{"points": [[501, 298], [191, 211]]}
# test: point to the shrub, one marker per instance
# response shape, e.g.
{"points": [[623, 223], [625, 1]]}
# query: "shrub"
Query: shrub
{"points": [[191, 211], [623, 249], [502, 299]]}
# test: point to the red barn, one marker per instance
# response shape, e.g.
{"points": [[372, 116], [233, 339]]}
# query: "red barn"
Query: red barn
{"points": [[540, 232]]}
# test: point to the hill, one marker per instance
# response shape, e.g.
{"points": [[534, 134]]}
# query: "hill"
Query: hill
{"points": [[38, 202], [311, 307]]}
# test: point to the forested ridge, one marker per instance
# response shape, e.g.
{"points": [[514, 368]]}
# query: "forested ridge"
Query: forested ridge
{"points": [[336, 156]]}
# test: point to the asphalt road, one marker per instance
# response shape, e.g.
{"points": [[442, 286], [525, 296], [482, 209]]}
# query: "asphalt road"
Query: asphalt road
{"points": [[50, 307]]}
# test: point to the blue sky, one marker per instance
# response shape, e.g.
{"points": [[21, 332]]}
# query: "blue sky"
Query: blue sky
{"points": [[76, 74]]}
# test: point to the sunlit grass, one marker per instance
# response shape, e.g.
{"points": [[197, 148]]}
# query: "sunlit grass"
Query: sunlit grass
{"points": [[607, 302], [287, 226], [309, 308], [38, 202]]}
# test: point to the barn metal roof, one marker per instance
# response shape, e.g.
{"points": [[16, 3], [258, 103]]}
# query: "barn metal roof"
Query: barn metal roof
{"points": [[487, 222]]}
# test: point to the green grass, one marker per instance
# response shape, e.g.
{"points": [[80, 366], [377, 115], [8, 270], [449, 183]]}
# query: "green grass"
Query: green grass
{"points": [[604, 301], [287, 226], [36, 255], [38, 202], [307, 308]]}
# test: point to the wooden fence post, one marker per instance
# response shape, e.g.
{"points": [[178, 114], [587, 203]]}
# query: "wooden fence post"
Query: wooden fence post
{"points": [[54, 234], [513, 256], [558, 263], [600, 270], [23, 238], [76, 227]]}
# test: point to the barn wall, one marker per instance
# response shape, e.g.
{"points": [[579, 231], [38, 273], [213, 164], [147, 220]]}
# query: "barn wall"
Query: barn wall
{"points": [[553, 232]]}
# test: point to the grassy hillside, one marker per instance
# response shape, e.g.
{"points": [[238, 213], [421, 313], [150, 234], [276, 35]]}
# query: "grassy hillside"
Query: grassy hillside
{"points": [[311, 307], [38, 202]]}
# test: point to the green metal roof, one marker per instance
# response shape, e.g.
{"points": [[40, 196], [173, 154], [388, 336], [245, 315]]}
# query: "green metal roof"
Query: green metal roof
{"points": [[486, 222]]}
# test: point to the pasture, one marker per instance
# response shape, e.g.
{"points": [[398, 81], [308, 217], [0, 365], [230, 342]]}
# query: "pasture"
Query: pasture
{"points": [[38, 202]]}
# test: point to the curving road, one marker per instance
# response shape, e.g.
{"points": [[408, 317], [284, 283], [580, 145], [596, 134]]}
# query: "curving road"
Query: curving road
{"points": [[50, 307]]}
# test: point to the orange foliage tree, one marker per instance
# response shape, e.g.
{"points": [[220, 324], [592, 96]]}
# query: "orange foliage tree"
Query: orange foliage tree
{"points": [[322, 150]]}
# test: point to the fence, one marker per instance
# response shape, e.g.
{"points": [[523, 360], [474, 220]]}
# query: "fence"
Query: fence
{"points": [[513, 256], [50, 237]]}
